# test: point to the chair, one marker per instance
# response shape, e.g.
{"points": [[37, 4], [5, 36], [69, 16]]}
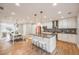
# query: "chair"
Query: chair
{"points": [[34, 41], [42, 44]]}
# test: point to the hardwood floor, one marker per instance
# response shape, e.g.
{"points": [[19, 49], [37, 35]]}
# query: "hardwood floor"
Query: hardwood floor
{"points": [[67, 48], [26, 48]]}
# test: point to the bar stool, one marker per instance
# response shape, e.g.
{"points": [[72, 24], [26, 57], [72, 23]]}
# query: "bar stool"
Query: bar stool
{"points": [[45, 46], [38, 44], [42, 46], [34, 41]]}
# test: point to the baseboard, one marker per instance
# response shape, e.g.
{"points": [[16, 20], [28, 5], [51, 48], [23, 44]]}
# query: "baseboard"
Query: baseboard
{"points": [[67, 42]]}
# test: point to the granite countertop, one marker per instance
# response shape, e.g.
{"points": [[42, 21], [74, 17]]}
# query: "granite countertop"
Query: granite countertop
{"points": [[45, 35]]}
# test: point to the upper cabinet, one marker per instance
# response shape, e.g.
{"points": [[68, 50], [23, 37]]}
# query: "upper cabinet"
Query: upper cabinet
{"points": [[67, 23], [62, 24], [55, 24], [72, 22], [48, 25]]}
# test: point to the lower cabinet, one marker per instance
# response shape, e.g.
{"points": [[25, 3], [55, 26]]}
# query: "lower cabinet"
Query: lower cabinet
{"points": [[67, 37]]}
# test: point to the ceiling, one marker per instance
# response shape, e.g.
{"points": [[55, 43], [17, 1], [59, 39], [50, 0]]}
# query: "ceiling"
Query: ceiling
{"points": [[25, 12]]}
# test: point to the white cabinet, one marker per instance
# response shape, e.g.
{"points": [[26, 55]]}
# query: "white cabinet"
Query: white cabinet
{"points": [[62, 37], [60, 24], [68, 23], [65, 22], [59, 37], [73, 38], [49, 25], [67, 37], [71, 23]]}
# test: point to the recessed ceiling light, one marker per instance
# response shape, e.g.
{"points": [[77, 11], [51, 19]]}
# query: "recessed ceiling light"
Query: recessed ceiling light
{"points": [[17, 4], [13, 13], [59, 12], [54, 4]]}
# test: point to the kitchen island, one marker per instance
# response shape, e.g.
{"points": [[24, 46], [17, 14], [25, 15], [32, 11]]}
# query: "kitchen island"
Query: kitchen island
{"points": [[45, 42]]}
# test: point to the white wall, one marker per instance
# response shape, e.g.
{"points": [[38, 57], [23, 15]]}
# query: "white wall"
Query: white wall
{"points": [[33, 28], [28, 29], [78, 31], [20, 28], [24, 29]]}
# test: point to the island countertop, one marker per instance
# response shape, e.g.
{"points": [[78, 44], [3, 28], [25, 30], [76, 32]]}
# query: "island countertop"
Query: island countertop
{"points": [[45, 35]]}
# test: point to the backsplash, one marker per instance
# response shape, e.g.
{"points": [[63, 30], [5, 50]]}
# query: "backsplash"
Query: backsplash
{"points": [[62, 30], [68, 30]]}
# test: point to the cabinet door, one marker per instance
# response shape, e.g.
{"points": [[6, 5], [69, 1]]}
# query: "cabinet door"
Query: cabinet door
{"points": [[49, 25], [72, 38], [59, 37], [60, 24], [65, 37], [71, 23], [62, 37], [68, 23], [65, 22]]}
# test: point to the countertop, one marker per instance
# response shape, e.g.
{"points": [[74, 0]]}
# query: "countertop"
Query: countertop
{"points": [[45, 35]]}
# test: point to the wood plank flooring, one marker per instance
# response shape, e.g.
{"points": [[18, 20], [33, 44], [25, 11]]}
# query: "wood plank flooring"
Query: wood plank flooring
{"points": [[26, 48]]}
